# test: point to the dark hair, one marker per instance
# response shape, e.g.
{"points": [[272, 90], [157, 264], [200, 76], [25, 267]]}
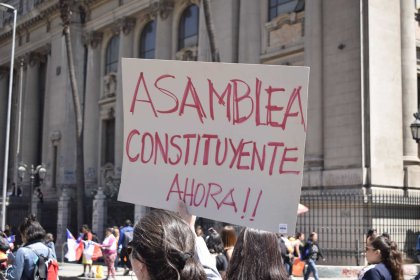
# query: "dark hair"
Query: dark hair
{"points": [[84, 227], [391, 257], [256, 256], [386, 235], [214, 242], [298, 234], [127, 223], [166, 245], [228, 236], [32, 229], [311, 236]]}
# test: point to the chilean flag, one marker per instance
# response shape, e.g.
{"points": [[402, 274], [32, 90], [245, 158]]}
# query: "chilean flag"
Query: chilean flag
{"points": [[75, 248]]}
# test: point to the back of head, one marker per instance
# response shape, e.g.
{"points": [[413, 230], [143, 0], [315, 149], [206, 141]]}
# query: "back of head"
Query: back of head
{"points": [[256, 256], [32, 229], [390, 255], [127, 223], [166, 245], [228, 236], [214, 242]]}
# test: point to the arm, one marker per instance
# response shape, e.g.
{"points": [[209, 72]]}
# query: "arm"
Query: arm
{"points": [[18, 262], [121, 239], [201, 250]]}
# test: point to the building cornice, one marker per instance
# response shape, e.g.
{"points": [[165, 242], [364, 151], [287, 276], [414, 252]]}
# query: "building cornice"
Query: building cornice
{"points": [[40, 13]]}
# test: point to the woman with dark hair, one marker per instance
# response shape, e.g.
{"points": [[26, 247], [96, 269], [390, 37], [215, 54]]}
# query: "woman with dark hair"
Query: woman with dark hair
{"points": [[86, 235], [384, 254], [215, 245], [229, 240], [256, 257], [23, 264], [165, 247]]}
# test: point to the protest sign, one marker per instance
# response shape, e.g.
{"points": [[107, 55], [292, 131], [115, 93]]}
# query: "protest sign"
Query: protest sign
{"points": [[228, 139]]}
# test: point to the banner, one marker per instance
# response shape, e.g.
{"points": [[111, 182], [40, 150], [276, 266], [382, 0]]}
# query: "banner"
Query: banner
{"points": [[228, 139]]}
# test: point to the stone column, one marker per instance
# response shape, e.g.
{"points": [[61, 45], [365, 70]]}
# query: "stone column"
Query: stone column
{"points": [[313, 59], [63, 220], [100, 212], [164, 22], [409, 92], [30, 113], [91, 129], [126, 26], [249, 31]]}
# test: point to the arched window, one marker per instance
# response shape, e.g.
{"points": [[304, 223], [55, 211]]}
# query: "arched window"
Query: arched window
{"points": [[148, 40], [111, 60], [188, 28]]}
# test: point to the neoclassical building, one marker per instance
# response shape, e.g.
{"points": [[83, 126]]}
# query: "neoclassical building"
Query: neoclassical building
{"points": [[363, 92]]}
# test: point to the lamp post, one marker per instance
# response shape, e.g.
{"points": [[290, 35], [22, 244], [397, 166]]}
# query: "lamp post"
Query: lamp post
{"points": [[9, 9], [40, 170], [415, 127]]}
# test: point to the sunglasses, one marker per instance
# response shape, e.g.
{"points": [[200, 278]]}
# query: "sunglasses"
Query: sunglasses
{"points": [[369, 249]]}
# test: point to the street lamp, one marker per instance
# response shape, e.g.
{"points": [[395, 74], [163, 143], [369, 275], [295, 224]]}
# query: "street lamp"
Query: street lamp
{"points": [[415, 127], [9, 9], [40, 170]]}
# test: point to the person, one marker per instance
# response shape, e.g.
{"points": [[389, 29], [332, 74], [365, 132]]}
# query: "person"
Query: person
{"points": [[215, 245], [299, 244], [23, 264], [126, 235], [165, 247], [370, 236], [116, 233], [109, 246], [49, 241], [86, 235], [229, 240], [418, 248], [256, 256], [286, 251], [384, 254], [199, 231], [313, 255]]}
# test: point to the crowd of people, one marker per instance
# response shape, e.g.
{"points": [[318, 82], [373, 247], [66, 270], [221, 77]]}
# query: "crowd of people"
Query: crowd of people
{"points": [[165, 245]]}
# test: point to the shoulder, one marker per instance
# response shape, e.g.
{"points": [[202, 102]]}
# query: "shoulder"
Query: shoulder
{"points": [[372, 274]]}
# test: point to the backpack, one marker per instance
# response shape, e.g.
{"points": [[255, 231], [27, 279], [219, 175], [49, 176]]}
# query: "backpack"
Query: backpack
{"points": [[46, 268], [305, 251], [128, 236]]}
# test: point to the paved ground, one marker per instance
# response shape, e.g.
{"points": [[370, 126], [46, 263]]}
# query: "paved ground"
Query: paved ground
{"points": [[70, 271]]}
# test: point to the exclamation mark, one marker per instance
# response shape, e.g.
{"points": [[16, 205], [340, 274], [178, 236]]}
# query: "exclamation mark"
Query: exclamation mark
{"points": [[246, 202], [256, 206]]}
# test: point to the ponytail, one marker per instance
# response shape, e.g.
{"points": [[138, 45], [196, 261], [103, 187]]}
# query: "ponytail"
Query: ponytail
{"points": [[192, 270], [391, 257], [394, 262]]}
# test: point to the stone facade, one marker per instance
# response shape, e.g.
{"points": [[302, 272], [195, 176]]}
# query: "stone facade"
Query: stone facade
{"points": [[363, 87]]}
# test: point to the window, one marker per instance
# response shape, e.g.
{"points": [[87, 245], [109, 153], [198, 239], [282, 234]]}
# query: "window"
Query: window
{"points": [[278, 7], [188, 28], [147, 40], [109, 141], [112, 50]]}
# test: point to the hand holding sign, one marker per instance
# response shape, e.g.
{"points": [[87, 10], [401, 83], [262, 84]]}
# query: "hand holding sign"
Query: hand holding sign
{"points": [[227, 139]]}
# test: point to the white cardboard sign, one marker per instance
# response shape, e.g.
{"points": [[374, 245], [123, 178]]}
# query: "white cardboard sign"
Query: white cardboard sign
{"points": [[228, 139]]}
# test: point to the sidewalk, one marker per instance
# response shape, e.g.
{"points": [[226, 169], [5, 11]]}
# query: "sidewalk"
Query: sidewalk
{"points": [[71, 270]]}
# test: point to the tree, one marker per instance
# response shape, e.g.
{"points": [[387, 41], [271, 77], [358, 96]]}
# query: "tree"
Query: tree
{"points": [[65, 14], [215, 57]]}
